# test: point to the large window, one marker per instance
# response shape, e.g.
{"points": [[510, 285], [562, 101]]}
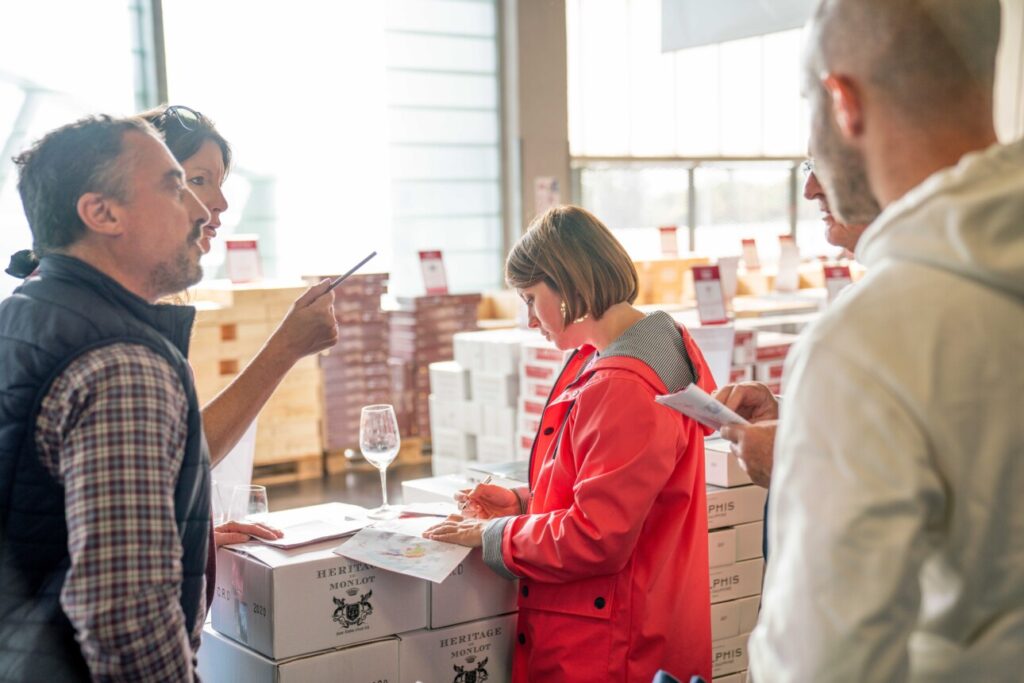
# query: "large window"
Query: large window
{"points": [[53, 70], [708, 139], [360, 126]]}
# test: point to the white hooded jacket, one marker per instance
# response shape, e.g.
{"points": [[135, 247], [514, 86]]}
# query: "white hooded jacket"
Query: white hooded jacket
{"points": [[897, 507]]}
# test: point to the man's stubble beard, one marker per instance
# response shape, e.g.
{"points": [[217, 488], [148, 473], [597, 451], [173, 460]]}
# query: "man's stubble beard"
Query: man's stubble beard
{"points": [[841, 170]]}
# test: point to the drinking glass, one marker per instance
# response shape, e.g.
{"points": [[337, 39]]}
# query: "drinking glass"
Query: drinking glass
{"points": [[379, 441], [249, 504]]}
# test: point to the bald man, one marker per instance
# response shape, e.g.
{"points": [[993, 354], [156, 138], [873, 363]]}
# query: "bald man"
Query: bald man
{"points": [[897, 528]]}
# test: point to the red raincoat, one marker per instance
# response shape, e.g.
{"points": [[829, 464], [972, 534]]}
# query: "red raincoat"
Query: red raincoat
{"points": [[613, 553]]}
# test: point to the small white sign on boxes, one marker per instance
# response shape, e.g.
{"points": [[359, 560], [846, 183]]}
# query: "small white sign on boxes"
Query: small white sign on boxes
{"points": [[221, 660], [480, 651], [285, 603]]}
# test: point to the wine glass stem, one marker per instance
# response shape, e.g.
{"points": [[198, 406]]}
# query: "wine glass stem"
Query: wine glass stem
{"points": [[384, 485]]}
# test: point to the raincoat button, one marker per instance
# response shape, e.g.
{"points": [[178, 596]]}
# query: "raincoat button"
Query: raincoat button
{"points": [[522, 639], [525, 591], [599, 603], [548, 431]]}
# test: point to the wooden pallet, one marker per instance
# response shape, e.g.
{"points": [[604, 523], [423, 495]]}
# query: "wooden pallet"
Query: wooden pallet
{"points": [[414, 451], [289, 471]]}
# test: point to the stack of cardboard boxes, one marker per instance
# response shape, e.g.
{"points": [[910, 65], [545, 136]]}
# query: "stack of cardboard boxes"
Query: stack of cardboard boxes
{"points": [[541, 363], [355, 370], [310, 615], [473, 400], [736, 527], [232, 324], [422, 332], [760, 355]]}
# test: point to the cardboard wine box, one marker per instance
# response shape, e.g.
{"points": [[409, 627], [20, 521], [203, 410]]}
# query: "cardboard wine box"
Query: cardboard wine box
{"points": [[740, 505], [738, 580], [477, 651], [284, 603], [470, 593], [221, 660], [721, 467]]}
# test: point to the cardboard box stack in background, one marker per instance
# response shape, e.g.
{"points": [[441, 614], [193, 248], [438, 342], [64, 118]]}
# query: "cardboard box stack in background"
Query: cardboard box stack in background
{"points": [[355, 371], [736, 558], [473, 399], [422, 332], [311, 615], [540, 364], [770, 357], [233, 321]]}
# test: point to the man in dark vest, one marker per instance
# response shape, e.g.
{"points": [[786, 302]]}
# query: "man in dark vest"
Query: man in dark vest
{"points": [[104, 472]]}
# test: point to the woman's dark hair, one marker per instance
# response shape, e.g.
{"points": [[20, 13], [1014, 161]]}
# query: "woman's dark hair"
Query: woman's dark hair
{"points": [[185, 130]]}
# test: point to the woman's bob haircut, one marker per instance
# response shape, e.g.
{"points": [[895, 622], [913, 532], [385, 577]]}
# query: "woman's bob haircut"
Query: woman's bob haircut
{"points": [[577, 256]]}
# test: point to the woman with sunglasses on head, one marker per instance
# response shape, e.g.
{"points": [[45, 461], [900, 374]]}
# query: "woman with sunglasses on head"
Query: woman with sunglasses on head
{"points": [[308, 327], [610, 540]]}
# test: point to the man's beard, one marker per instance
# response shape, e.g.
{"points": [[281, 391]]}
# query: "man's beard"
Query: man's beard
{"points": [[841, 170], [180, 272]]}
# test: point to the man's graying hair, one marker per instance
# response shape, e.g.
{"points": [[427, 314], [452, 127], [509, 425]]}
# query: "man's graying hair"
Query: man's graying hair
{"points": [[924, 56], [66, 163]]}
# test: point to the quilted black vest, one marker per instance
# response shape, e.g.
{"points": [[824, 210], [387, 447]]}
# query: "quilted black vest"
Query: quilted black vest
{"points": [[68, 309]]}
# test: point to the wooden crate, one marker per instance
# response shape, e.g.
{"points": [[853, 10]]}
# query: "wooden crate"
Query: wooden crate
{"points": [[414, 451], [289, 471]]}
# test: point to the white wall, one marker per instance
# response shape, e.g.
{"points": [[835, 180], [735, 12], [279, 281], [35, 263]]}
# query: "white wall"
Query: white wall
{"points": [[1010, 73]]}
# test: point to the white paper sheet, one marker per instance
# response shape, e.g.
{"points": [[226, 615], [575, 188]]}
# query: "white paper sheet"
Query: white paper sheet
{"points": [[435, 509], [314, 531], [696, 403], [399, 546]]}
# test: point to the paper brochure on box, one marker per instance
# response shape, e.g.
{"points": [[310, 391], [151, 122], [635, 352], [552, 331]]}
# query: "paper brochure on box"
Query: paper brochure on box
{"points": [[696, 403], [399, 546]]}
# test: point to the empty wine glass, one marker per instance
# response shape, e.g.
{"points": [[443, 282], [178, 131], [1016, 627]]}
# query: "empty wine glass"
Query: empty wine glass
{"points": [[249, 504], [379, 441]]}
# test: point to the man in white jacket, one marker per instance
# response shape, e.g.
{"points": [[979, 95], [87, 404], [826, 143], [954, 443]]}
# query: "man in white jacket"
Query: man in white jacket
{"points": [[898, 509]]}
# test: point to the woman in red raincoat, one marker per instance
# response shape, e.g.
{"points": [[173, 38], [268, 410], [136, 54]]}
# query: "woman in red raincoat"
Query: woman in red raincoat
{"points": [[610, 541]]}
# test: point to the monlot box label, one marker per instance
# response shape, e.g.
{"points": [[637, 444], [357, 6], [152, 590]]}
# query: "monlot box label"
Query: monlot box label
{"points": [[468, 653], [284, 603]]}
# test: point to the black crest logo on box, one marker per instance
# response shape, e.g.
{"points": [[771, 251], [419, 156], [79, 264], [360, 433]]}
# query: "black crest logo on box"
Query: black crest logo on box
{"points": [[472, 675], [354, 613]]}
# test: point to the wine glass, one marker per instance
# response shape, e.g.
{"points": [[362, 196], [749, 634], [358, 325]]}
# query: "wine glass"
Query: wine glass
{"points": [[379, 442], [249, 503]]}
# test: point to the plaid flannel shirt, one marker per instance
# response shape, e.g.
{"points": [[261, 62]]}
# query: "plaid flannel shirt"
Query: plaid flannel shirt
{"points": [[112, 430]]}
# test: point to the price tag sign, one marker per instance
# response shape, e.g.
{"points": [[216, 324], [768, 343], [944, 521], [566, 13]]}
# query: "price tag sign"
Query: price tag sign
{"points": [[242, 259], [750, 257], [435, 281], [728, 268], [707, 283], [837, 278], [669, 241], [788, 277]]}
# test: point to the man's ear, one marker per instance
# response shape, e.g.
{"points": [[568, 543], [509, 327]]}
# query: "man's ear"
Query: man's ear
{"points": [[847, 105], [100, 214]]}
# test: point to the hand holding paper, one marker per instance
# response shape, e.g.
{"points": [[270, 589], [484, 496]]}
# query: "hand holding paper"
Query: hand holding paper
{"points": [[696, 403]]}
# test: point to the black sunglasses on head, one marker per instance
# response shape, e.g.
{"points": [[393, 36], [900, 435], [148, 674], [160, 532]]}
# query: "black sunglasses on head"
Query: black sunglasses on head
{"points": [[186, 117]]}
